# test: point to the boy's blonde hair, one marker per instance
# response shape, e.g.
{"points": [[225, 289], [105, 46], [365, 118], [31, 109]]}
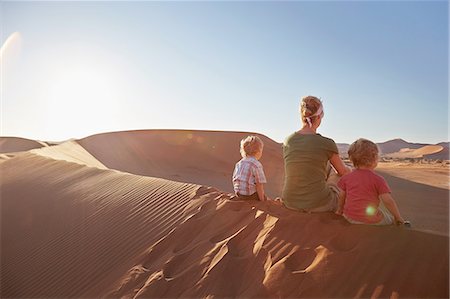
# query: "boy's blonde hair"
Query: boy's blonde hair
{"points": [[363, 152], [309, 107], [250, 146]]}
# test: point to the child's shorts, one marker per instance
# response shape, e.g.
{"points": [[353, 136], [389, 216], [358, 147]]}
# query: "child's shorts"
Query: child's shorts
{"points": [[388, 218], [254, 196]]}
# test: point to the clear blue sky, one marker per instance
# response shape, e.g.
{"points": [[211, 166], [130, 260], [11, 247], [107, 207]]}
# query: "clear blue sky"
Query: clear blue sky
{"points": [[80, 68]]}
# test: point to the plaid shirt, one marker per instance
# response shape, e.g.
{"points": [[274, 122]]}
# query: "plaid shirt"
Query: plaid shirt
{"points": [[247, 172]]}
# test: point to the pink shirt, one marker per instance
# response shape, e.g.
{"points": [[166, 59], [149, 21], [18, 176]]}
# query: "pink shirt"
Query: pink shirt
{"points": [[247, 172], [363, 188]]}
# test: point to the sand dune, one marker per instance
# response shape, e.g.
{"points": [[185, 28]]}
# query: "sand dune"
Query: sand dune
{"points": [[69, 151], [432, 174], [268, 251], [16, 144], [69, 229], [444, 154], [72, 228], [208, 157], [201, 157], [416, 153], [400, 149], [395, 145]]}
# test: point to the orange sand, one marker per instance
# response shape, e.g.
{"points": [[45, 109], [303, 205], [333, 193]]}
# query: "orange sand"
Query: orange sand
{"points": [[72, 228], [432, 174]]}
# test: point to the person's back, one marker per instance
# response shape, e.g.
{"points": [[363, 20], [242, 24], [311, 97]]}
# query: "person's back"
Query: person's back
{"points": [[365, 197], [363, 188], [248, 175], [305, 160]]}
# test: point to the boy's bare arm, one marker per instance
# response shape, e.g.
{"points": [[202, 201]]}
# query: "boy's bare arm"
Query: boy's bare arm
{"points": [[341, 202], [260, 191], [390, 204]]}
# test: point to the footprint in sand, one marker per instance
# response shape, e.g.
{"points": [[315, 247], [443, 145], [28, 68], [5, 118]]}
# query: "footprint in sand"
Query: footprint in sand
{"points": [[343, 242], [300, 259]]}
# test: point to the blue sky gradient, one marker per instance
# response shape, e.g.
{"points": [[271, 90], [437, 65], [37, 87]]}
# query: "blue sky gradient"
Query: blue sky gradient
{"points": [[80, 68]]}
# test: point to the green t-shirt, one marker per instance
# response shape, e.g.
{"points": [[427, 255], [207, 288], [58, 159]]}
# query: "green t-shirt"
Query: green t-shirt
{"points": [[305, 163]]}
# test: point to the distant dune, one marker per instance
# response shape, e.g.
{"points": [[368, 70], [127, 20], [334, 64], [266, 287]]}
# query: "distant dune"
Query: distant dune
{"points": [[16, 144], [421, 152], [401, 149], [442, 155], [86, 219], [396, 145], [201, 157]]}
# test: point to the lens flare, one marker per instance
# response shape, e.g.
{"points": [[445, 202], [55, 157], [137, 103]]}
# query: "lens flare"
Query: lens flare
{"points": [[13, 38], [371, 210]]}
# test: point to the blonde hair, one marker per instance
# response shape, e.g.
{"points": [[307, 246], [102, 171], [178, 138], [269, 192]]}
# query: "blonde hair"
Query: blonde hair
{"points": [[309, 106], [363, 152], [250, 146]]}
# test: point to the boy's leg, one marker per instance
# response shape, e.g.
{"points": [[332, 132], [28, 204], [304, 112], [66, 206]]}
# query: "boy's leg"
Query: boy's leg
{"points": [[388, 218]]}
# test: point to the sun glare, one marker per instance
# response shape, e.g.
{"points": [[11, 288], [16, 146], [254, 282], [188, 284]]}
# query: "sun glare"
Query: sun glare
{"points": [[8, 52], [83, 98], [12, 39]]}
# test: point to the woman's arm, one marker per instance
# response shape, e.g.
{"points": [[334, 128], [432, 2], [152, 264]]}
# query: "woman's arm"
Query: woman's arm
{"points": [[339, 165]]}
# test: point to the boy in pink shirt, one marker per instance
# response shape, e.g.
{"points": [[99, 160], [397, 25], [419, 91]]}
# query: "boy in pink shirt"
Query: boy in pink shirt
{"points": [[362, 190]]}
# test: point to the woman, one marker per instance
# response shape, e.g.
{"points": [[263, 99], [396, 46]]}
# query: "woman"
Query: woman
{"points": [[308, 185]]}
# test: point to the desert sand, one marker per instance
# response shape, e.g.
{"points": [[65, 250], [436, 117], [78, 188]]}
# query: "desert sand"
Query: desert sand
{"points": [[429, 173], [9, 145], [150, 214]]}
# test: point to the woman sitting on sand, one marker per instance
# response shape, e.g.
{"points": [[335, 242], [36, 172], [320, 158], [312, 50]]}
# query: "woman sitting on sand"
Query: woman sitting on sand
{"points": [[310, 183]]}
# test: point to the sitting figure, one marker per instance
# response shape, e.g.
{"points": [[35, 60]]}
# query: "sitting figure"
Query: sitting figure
{"points": [[248, 174], [365, 196]]}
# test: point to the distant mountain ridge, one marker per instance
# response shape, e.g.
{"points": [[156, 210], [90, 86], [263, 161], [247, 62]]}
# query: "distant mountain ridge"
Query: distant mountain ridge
{"points": [[399, 148]]}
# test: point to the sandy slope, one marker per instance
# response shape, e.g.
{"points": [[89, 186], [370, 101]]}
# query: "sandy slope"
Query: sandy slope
{"points": [[69, 229], [201, 157], [416, 153], [16, 144], [74, 230], [79, 231], [208, 157], [268, 251], [69, 151], [432, 174]]}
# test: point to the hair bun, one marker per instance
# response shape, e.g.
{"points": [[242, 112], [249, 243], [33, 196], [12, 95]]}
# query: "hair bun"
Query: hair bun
{"points": [[305, 110]]}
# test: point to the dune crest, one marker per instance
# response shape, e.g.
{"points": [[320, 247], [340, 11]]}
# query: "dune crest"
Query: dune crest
{"points": [[17, 144], [199, 157], [69, 151]]}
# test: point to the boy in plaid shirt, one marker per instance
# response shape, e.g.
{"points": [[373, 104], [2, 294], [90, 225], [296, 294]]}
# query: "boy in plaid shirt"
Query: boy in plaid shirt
{"points": [[248, 174]]}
